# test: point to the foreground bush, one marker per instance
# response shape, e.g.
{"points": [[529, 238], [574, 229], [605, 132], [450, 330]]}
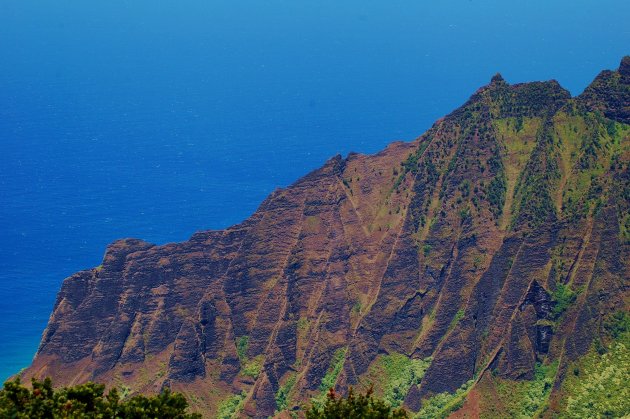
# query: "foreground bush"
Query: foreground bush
{"points": [[86, 401], [362, 406]]}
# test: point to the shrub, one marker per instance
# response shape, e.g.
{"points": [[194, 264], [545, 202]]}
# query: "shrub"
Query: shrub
{"points": [[563, 298], [601, 389], [228, 408], [282, 396], [442, 404], [242, 344], [336, 364], [329, 380], [618, 324], [496, 193], [252, 367], [86, 400], [359, 406], [397, 373]]}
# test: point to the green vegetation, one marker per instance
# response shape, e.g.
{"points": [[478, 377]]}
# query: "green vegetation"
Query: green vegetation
{"points": [[329, 380], [302, 323], [230, 407], [563, 297], [464, 188], [397, 373], [443, 404], [519, 123], [336, 364], [526, 399], [624, 228], [598, 385], [282, 396], [478, 261], [465, 215], [534, 190], [458, 316], [242, 344], [252, 367], [394, 374], [597, 143], [86, 401], [426, 249], [618, 324], [411, 164], [496, 193], [359, 406], [249, 367], [498, 185]]}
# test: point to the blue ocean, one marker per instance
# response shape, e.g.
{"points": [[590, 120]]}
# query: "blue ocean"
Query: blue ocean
{"points": [[156, 119]]}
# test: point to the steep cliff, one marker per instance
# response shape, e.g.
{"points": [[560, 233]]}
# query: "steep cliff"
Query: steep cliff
{"points": [[490, 251]]}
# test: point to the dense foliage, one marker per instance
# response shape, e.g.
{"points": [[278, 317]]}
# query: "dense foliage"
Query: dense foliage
{"points": [[442, 404], [363, 406], [329, 380], [86, 401], [230, 407], [598, 384], [394, 374]]}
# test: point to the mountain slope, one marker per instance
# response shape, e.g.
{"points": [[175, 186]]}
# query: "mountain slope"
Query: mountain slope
{"points": [[488, 252]]}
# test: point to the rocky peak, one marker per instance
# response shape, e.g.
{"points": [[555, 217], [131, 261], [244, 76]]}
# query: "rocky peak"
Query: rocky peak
{"points": [[497, 78], [450, 250], [609, 93], [624, 67]]}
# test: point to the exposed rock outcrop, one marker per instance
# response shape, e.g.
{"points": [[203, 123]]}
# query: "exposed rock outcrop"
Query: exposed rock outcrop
{"points": [[456, 246]]}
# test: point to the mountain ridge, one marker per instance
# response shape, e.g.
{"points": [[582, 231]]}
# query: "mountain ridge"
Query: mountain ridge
{"points": [[454, 250]]}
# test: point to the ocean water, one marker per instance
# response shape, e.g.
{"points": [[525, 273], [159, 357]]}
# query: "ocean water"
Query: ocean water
{"points": [[155, 119]]}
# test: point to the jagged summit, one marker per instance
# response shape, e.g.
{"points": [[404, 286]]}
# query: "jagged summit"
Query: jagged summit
{"points": [[493, 247], [496, 78], [624, 66], [609, 93]]}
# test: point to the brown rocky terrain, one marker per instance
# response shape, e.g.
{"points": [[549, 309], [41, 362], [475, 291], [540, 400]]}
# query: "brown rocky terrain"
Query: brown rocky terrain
{"points": [[492, 246]]}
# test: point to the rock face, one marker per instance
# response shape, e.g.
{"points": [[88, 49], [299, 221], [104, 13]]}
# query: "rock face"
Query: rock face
{"points": [[495, 241]]}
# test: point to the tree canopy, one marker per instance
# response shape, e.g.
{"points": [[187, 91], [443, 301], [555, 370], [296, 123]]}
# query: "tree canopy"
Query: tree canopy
{"points": [[361, 406], [87, 401]]}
